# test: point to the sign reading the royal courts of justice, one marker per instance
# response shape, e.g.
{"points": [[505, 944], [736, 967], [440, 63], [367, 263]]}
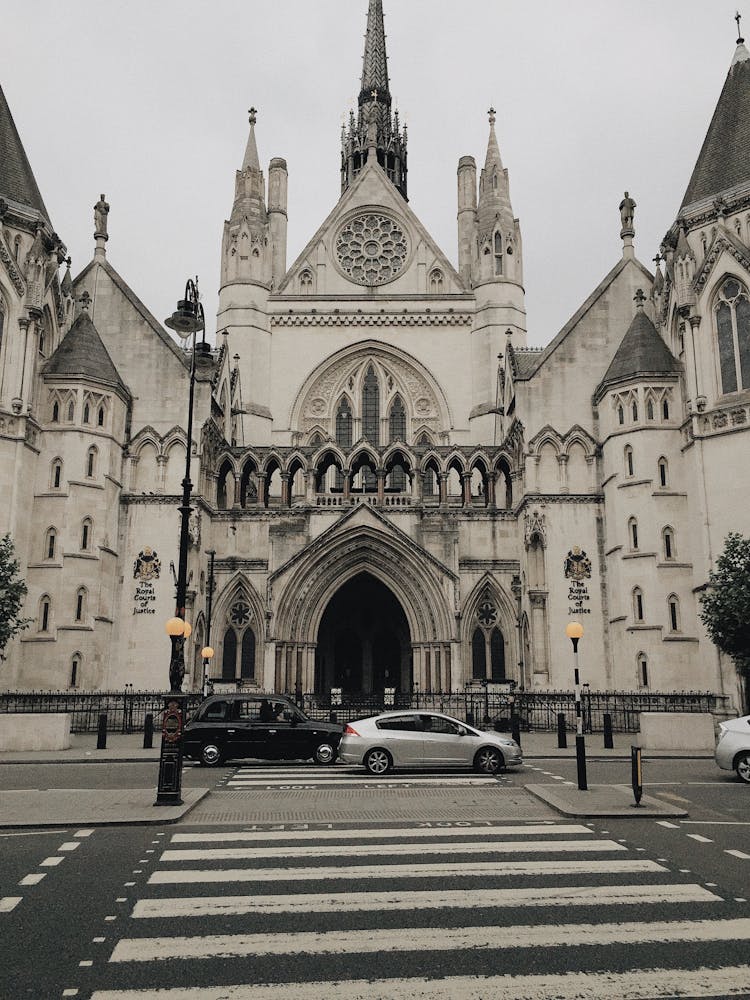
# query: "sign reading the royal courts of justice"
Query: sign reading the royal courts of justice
{"points": [[577, 571], [146, 569]]}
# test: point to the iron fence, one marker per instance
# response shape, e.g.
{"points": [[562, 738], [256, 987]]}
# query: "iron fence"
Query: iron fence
{"points": [[126, 710]]}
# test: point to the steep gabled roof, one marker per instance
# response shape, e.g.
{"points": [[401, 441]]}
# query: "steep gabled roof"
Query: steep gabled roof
{"points": [[641, 352], [17, 182], [723, 162], [82, 353]]}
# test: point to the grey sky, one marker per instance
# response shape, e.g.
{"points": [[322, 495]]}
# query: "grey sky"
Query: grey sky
{"points": [[147, 101]]}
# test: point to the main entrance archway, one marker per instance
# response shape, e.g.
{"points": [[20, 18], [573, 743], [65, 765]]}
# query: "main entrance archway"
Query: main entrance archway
{"points": [[364, 642]]}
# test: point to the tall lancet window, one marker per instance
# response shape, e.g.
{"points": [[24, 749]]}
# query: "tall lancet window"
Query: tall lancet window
{"points": [[733, 333], [371, 407], [397, 432], [498, 253], [343, 434]]}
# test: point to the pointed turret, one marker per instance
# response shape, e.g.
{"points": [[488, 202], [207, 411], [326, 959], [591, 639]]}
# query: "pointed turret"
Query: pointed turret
{"points": [[375, 131], [244, 249], [499, 234], [17, 183], [81, 354], [641, 352], [723, 164]]}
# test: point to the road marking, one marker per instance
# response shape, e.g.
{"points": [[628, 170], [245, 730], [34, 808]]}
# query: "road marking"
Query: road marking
{"points": [[398, 781], [98, 940], [51, 862], [341, 942], [363, 850], [83, 833], [400, 832], [70, 845], [407, 870], [32, 833], [635, 984], [86, 963], [70, 993], [739, 854], [672, 797], [666, 823], [418, 901], [701, 840], [8, 903], [33, 879]]}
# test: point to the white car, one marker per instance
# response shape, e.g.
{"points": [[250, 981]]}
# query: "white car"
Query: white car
{"points": [[733, 747], [424, 739]]}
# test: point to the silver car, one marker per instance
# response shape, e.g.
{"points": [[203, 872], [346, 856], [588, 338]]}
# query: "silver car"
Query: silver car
{"points": [[424, 739], [733, 748]]}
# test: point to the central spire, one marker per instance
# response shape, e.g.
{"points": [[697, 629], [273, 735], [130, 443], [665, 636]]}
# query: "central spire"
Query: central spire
{"points": [[374, 132]]}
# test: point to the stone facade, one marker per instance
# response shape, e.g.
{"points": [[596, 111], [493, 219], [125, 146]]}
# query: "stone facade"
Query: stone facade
{"points": [[398, 491]]}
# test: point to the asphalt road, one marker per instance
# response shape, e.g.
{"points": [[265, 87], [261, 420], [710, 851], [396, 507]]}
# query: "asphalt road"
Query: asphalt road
{"points": [[536, 907]]}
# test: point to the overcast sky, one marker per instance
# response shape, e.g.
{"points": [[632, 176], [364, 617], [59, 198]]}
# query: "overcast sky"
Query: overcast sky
{"points": [[146, 101]]}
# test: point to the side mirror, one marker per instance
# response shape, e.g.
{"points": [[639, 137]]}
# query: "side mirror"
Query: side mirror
{"points": [[462, 731]]}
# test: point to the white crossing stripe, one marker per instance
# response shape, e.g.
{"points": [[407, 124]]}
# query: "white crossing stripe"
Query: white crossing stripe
{"points": [[398, 899], [342, 942], [313, 782], [739, 854], [407, 870], [635, 984], [70, 845], [363, 850], [8, 903], [400, 832], [699, 838], [32, 879]]}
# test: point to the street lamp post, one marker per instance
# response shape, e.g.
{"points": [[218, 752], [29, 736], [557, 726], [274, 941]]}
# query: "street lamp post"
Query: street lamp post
{"points": [[574, 631], [186, 321], [207, 656]]}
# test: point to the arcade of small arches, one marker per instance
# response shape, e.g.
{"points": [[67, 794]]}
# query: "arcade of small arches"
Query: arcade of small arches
{"points": [[326, 475]]}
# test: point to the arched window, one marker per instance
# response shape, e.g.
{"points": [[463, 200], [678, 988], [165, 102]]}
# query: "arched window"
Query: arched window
{"points": [[87, 531], [497, 655], [371, 407], [87, 412], [668, 539], [56, 412], [238, 655], [642, 662], [479, 667], [663, 472], [649, 409], [42, 344], [634, 410], [100, 416], [620, 415], [732, 312], [665, 408], [633, 533], [80, 604], [306, 282], [498, 245], [673, 608], [50, 543], [436, 281], [75, 670], [638, 604], [397, 421], [344, 424], [71, 411], [91, 462], [45, 613], [629, 468], [56, 474]]}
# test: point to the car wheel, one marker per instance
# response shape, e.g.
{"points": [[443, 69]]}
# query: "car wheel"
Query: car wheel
{"points": [[488, 761], [325, 753], [742, 767], [210, 755], [378, 761]]}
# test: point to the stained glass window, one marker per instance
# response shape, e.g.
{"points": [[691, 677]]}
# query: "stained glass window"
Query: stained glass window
{"points": [[371, 407], [733, 336]]}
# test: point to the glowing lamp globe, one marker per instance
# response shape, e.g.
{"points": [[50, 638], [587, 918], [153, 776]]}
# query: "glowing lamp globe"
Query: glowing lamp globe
{"points": [[187, 630], [574, 630], [207, 652], [175, 627]]}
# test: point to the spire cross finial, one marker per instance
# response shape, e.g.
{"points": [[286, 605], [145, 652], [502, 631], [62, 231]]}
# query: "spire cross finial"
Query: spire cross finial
{"points": [[253, 112], [639, 298], [374, 95], [491, 113], [738, 18], [657, 259]]}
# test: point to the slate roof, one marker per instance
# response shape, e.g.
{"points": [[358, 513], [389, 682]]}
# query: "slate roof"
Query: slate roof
{"points": [[17, 181], [375, 62], [723, 162], [641, 352], [82, 353]]}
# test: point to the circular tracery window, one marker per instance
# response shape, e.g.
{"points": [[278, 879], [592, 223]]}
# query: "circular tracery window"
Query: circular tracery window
{"points": [[372, 249], [239, 614]]}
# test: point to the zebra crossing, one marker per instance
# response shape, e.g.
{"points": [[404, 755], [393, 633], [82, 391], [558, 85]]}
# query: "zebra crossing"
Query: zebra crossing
{"points": [[503, 911], [257, 777]]}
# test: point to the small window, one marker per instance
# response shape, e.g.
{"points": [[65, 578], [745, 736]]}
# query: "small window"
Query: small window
{"points": [[673, 605], [638, 604], [45, 606], [620, 415], [91, 462], [634, 410], [633, 533], [629, 467], [100, 417], [643, 670], [80, 604], [71, 411], [86, 413], [56, 474], [50, 544], [650, 410], [498, 253], [86, 533], [668, 536], [663, 472], [665, 408], [74, 671], [42, 345], [56, 412]]}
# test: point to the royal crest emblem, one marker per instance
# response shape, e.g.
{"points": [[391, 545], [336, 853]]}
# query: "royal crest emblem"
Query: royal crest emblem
{"points": [[147, 566], [577, 564]]}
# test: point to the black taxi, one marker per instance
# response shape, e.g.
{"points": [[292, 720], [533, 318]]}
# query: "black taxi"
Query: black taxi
{"points": [[266, 726]]}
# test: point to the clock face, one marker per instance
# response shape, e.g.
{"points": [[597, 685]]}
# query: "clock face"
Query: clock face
{"points": [[372, 249]]}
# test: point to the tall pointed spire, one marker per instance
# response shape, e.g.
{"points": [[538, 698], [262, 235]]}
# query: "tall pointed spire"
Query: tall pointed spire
{"points": [[17, 182], [376, 131], [251, 161], [498, 231], [723, 162]]}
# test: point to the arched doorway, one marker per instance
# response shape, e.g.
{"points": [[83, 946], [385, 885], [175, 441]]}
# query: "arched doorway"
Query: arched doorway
{"points": [[364, 643]]}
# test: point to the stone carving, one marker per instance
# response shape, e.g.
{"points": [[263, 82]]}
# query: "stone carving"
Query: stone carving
{"points": [[739, 417], [101, 211], [371, 249], [577, 565], [10, 267], [627, 214], [194, 528], [147, 566], [534, 526]]}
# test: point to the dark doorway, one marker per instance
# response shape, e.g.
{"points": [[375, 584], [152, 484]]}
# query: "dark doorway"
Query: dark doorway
{"points": [[364, 643]]}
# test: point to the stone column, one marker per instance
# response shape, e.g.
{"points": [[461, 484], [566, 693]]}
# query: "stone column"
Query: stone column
{"points": [[347, 485], [562, 461], [466, 487], [443, 486], [380, 473], [262, 496], [285, 489], [491, 490], [237, 500]]}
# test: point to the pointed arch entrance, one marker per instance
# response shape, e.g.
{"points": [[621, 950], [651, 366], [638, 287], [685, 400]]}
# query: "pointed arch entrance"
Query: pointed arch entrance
{"points": [[364, 640]]}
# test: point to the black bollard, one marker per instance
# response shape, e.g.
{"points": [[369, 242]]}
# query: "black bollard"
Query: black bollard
{"points": [[101, 736], [332, 717], [562, 736], [515, 728], [148, 732], [608, 741]]}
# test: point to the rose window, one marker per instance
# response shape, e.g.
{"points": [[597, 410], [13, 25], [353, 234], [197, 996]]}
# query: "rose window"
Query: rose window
{"points": [[240, 614], [487, 614], [372, 249]]}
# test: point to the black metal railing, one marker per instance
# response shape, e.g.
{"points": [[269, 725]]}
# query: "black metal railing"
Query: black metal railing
{"points": [[127, 710]]}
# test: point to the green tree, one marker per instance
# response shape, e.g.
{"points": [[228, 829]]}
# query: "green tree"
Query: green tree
{"points": [[12, 594], [726, 603]]}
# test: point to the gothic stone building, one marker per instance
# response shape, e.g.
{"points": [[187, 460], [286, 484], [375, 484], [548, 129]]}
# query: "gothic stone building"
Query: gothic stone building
{"points": [[398, 491]]}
